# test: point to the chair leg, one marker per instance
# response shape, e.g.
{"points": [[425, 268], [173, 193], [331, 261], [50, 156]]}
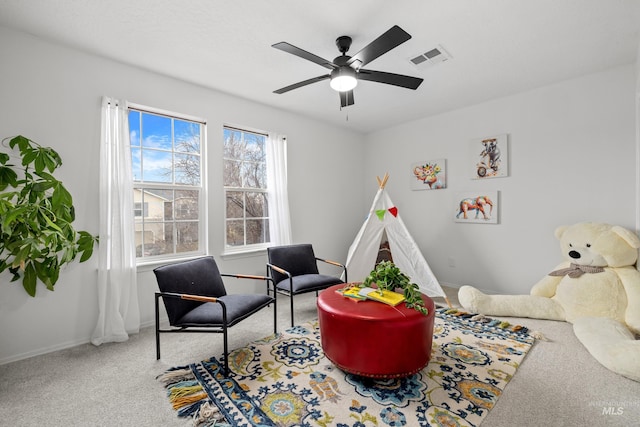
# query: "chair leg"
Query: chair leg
{"points": [[226, 351], [291, 303], [157, 329], [275, 312]]}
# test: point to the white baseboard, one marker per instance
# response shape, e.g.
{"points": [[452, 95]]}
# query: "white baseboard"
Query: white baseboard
{"points": [[60, 346]]}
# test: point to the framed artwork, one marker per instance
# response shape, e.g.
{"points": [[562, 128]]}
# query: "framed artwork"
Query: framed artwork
{"points": [[429, 175], [489, 157], [476, 207]]}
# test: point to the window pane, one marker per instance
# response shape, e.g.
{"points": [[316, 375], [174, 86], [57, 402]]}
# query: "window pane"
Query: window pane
{"points": [[232, 144], [253, 175], [232, 174], [256, 231], [165, 245], [134, 128], [256, 204], [136, 164], [235, 204], [186, 204], [254, 146], [154, 239], [156, 131], [187, 169], [156, 166], [235, 233], [187, 236], [187, 136]]}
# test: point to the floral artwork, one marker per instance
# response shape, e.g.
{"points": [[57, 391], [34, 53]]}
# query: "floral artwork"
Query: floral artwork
{"points": [[428, 175], [476, 207], [489, 157]]}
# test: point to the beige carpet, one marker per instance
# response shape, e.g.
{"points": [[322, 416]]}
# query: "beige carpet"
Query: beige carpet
{"points": [[558, 384]]}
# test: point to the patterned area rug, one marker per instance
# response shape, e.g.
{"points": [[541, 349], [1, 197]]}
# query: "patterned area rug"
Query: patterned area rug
{"points": [[285, 380]]}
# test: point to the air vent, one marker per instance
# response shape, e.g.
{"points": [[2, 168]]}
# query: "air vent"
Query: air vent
{"points": [[430, 58]]}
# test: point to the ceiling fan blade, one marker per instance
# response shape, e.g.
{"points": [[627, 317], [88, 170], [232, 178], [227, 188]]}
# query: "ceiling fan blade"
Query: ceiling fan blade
{"points": [[383, 44], [289, 48], [346, 98], [390, 79], [303, 83]]}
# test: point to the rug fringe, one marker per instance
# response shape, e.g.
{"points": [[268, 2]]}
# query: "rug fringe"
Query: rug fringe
{"points": [[208, 415], [185, 393], [538, 335], [175, 375], [480, 318]]}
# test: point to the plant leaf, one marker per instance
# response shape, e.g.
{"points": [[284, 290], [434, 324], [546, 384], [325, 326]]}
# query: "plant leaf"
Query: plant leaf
{"points": [[29, 280], [7, 177]]}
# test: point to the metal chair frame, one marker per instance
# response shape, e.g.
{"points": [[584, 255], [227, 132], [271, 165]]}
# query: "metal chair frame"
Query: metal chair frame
{"points": [[223, 327], [290, 292]]}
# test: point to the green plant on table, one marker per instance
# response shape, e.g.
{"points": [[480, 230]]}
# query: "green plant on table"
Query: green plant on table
{"points": [[36, 212], [387, 276]]}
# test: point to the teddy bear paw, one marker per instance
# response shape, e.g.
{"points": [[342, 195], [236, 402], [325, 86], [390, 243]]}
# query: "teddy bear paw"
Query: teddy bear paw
{"points": [[471, 299]]}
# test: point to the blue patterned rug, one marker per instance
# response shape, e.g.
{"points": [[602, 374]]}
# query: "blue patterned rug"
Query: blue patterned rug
{"points": [[285, 380]]}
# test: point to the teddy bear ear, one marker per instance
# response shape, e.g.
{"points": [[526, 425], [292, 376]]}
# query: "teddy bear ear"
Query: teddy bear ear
{"points": [[560, 231], [627, 235]]}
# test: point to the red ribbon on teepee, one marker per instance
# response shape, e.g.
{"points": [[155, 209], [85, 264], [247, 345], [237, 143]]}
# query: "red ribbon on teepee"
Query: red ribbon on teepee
{"points": [[394, 211], [380, 213]]}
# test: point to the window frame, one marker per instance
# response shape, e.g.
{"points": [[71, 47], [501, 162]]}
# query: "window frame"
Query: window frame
{"points": [[201, 189], [245, 248]]}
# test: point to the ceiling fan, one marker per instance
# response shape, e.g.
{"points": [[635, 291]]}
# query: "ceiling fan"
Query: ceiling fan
{"points": [[347, 70]]}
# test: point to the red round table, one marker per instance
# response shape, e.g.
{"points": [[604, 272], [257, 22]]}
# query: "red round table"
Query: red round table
{"points": [[373, 339]]}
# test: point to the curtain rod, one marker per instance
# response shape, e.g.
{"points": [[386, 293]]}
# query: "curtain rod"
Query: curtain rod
{"points": [[155, 111]]}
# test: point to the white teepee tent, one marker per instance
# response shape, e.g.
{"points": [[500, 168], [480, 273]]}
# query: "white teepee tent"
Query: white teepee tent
{"points": [[384, 221]]}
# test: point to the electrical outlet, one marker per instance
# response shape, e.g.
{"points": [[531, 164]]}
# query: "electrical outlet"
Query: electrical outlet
{"points": [[452, 262]]}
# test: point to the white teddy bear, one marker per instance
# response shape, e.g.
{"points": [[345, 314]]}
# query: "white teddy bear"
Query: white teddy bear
{"points": [[597, 289]]}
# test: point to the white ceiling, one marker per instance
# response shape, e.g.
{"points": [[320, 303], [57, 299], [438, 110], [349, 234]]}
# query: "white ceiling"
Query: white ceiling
{"points": [[498, 47]]}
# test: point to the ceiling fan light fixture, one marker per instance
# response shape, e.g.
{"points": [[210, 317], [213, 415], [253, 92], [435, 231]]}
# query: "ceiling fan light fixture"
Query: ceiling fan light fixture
{"points": [[343, 79]]}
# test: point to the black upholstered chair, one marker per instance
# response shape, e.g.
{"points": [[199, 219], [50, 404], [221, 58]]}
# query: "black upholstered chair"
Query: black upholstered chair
{"points": [[294, 269], [196, 300]]}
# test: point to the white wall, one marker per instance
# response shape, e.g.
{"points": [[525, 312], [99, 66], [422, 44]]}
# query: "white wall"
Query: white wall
{"points": [[52, 95], [572, 158]]}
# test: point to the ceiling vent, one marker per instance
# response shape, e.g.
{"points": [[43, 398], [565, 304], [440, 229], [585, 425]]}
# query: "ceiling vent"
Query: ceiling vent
{"points": [[430, 58]]}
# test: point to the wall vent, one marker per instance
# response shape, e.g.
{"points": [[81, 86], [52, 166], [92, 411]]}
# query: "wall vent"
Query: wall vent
{"points": [[430, 58]]}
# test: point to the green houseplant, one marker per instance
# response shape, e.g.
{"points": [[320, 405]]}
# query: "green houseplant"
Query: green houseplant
{"points": [[387, 276], [36, 212]]}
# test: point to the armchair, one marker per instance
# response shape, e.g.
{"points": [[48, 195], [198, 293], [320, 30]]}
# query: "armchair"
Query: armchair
{"points": [[196, 300], [294, 269]]}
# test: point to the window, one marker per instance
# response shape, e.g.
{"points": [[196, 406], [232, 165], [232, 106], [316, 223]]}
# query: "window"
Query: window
{"points": [[245, 188], [140, 209], [166, 153]]}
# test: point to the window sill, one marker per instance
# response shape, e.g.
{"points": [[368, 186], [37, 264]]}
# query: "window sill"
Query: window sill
{"points": [[148, 265], [244, 253]]}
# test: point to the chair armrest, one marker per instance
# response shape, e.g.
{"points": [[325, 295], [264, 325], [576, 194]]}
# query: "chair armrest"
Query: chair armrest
{"points": [[249, 276], [246, 276], [188, 297], [337, 264], [280, 270]]}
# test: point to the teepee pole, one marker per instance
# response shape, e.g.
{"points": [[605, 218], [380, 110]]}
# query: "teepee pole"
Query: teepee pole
{"points": [[383, 182]]}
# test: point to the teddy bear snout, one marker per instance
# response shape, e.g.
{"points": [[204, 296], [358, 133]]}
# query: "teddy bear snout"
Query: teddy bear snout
{"points": [[574, 254]]}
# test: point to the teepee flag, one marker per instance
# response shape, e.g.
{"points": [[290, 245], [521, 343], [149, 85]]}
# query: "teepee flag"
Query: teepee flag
{"points": [[363, 252]]}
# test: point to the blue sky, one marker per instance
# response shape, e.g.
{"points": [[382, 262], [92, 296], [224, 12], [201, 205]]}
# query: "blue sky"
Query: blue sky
{"points": [[152, 145]]}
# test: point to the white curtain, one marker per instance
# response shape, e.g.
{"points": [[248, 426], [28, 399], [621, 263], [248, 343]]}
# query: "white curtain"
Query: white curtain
{"points": [[280, 223], [119, 314]]}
